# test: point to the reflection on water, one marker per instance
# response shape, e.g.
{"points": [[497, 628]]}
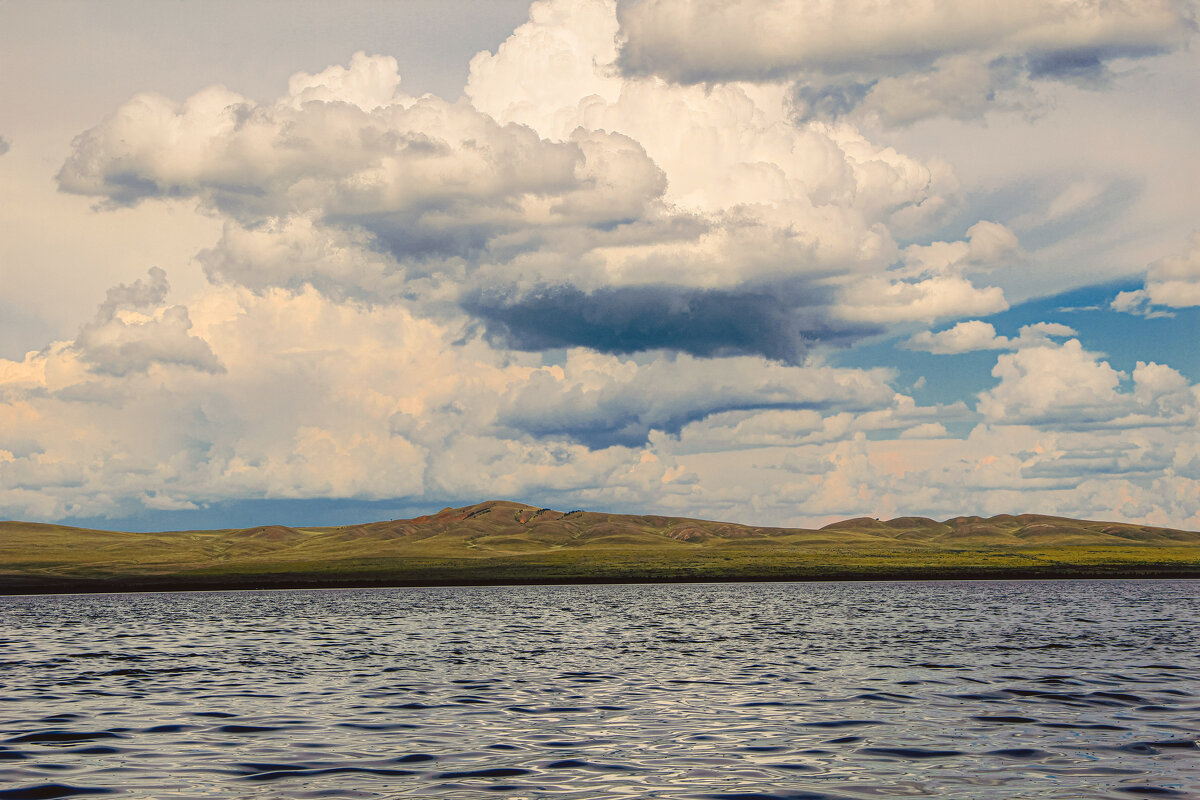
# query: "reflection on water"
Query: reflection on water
{"points": [[1074, 689]]}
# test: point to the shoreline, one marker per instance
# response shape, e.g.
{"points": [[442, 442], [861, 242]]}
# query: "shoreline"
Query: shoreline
{"points": [[24, 586]]}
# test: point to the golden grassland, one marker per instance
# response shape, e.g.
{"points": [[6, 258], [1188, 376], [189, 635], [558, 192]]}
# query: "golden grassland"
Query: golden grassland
{"points": [[503, 542]]}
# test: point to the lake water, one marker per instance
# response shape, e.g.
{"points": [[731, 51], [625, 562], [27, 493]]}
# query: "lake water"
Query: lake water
{"points": [[1071, 689]]}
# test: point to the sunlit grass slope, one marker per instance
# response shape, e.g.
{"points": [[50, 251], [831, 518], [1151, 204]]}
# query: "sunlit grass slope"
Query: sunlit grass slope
{"points": [[503, 542]]}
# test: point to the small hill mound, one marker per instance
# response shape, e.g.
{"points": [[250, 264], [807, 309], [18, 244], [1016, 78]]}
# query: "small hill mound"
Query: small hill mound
{"points": [[269, 533], [856, 524], [909, 523]]}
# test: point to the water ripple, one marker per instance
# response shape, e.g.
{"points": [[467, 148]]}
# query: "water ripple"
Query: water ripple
{"points": [[979, 690]]}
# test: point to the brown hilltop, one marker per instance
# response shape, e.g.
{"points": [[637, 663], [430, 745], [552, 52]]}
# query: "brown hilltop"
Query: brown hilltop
{"points": [[269, 533], [502, 524], [1015, 530]]}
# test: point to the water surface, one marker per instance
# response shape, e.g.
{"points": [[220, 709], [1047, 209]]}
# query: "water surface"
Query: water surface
{"points": [[1054, 689]]}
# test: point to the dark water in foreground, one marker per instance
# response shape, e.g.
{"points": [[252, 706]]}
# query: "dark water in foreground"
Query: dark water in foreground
{"points": [[841, 690]]}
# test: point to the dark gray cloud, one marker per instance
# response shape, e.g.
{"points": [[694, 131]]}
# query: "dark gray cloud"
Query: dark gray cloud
{"points": [[959, 87], [946, 58], [424, 237], [1081, 66], [828, 102], [4, 145], [698, 41], [1077, 468], [956, 87], [780, 323], [1087, 66]]}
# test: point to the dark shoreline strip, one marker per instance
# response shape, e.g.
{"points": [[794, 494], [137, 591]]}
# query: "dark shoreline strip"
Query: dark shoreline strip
{"points": [[25, 585]]}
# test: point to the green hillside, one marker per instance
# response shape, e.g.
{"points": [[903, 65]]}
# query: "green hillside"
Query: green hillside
{"points": [[504, 542]]}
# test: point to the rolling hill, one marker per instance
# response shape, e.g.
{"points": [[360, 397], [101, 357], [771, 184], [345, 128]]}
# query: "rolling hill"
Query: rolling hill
{"points": [[505, 542]]}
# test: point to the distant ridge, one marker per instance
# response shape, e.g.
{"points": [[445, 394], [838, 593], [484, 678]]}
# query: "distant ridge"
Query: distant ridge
{"points": [[500, 541], [574, 528], [1019, 530]]}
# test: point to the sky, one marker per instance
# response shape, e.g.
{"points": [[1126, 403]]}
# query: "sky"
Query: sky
{"points": [[768, 261]]}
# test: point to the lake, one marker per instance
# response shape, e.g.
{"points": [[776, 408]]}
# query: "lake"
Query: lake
{"points": [[809, 691]]}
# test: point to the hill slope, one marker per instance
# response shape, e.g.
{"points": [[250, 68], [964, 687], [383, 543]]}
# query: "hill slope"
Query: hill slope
{"points": [[503, 542]]}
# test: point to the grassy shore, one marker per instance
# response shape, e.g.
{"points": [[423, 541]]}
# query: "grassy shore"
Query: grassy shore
{"points": [[508, 543]]}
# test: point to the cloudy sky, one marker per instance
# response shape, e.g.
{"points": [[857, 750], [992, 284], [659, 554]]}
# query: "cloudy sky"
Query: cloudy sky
{"points": [[772, 261]]}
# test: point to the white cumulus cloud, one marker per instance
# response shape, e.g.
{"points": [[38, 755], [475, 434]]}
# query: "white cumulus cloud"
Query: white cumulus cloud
{"points": [[1173, 282], [1063, 385], [972, 335]]}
